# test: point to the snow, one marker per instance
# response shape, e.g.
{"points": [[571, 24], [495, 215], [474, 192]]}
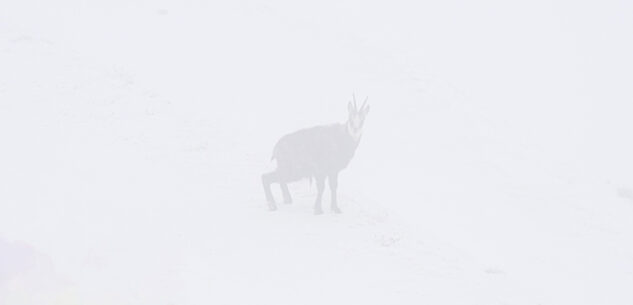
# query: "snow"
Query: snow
{"points": [[495, 166]]}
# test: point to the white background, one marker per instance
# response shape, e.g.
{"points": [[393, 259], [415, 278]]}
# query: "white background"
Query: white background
{"points": [[495, 165]]}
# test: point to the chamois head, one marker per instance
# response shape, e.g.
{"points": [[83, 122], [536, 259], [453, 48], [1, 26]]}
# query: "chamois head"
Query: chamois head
{"points": [[356, 118]]}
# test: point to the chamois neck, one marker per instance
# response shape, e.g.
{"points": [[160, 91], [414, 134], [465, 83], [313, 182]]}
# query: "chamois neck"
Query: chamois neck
{"points": [[355, 134]]}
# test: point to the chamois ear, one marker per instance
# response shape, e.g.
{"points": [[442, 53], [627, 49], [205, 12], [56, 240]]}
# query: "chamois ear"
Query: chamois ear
{"points": [[366, 110], [350, 107]]}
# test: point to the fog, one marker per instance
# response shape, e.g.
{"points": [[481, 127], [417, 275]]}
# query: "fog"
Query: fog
{"points": [[494, 167]]}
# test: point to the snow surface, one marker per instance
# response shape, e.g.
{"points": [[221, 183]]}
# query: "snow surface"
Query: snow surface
{"points": [[495, 165]]}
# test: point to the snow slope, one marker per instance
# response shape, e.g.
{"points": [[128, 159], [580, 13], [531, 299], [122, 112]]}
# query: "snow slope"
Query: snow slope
{"points": [[494, 169]]}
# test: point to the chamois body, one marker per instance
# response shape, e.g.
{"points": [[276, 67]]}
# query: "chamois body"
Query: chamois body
{"points": [[313, 152], [319, 152]]}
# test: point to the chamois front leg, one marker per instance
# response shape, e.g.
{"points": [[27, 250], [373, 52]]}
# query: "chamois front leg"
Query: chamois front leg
{"points": [[333, 179], [320, 182]]}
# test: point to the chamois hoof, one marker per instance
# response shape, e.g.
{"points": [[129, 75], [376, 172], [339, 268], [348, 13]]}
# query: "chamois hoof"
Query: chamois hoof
{"points": [[272, 207], [318, 211], [336, 210]]}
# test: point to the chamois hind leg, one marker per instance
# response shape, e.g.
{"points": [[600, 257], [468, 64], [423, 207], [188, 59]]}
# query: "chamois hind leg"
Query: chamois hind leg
{"points": [[268, 179], [320, 182], [285, 192], [333, 179]]}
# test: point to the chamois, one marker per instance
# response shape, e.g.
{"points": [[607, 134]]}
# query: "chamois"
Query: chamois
{"points": [[319, 152]]}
